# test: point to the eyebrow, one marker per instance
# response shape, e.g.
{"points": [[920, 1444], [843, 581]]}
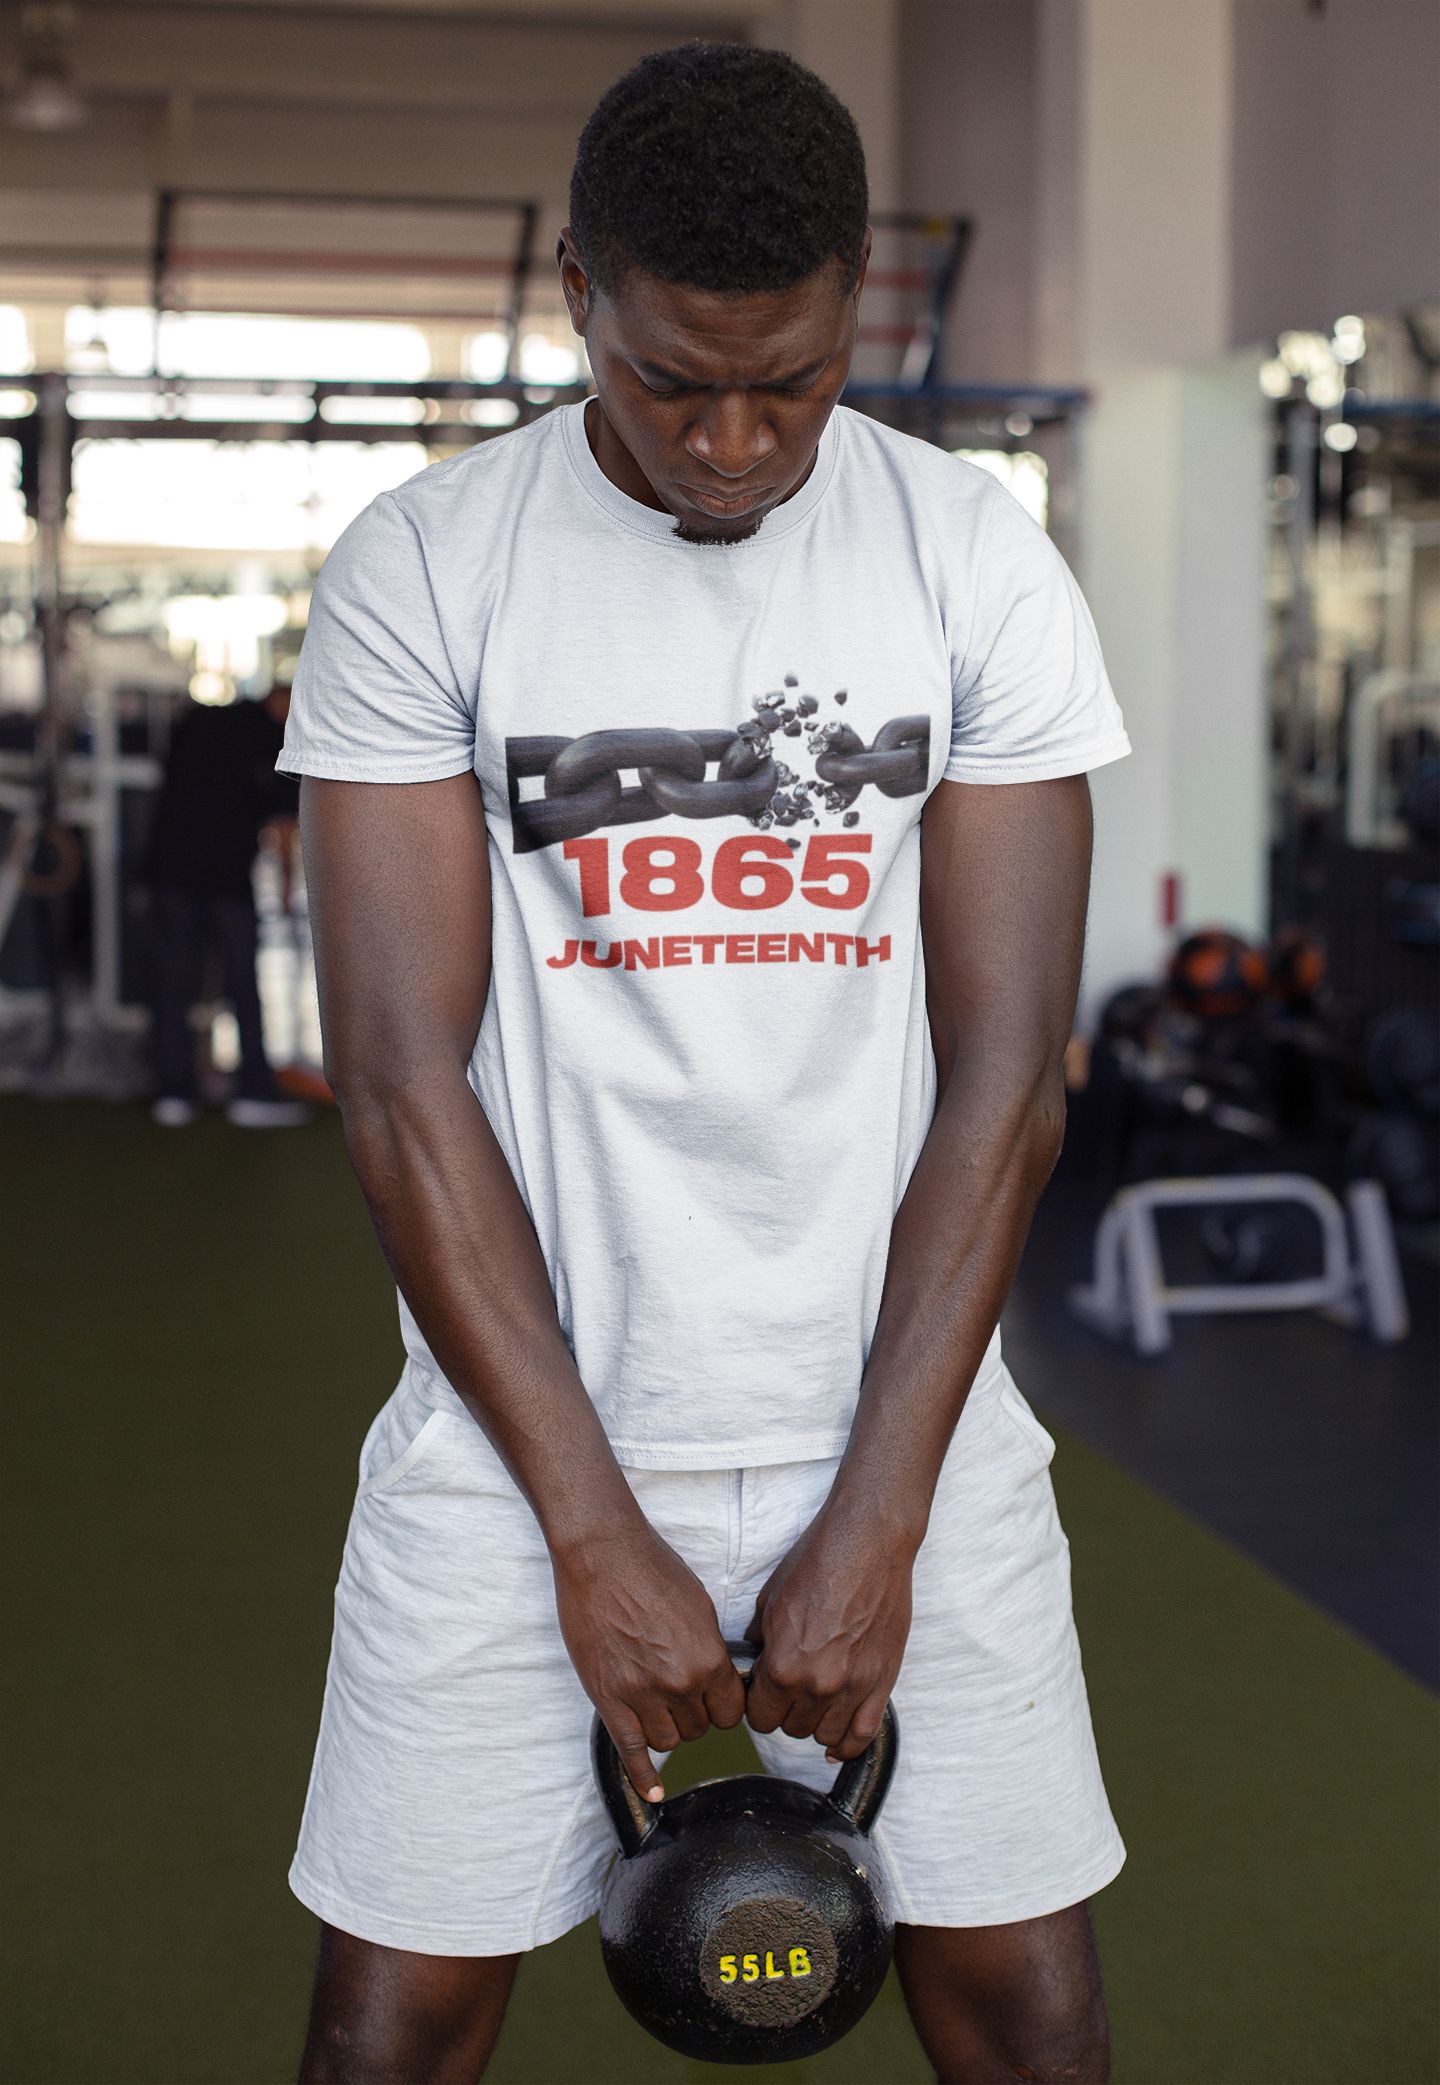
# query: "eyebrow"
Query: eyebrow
{"points": [[774, 383]]}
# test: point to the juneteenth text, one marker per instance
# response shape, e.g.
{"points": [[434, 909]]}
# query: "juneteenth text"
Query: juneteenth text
{"points": [[671, 951]]}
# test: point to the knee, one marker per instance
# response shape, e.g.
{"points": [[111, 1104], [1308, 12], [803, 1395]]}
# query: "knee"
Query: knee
{"points": [[385, 2016], [1020, 2001], [1061, 2037]]}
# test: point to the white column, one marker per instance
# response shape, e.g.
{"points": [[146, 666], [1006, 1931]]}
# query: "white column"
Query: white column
{"points": [[1133, 299], [854, 45], [1219, 741]]}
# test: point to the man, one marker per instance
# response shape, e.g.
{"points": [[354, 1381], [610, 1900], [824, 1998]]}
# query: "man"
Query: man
{"points": [[220, 786], [701, 1232]]}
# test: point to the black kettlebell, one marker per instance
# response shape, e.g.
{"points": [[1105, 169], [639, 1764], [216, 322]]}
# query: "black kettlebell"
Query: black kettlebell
{"points": [[747, 1920]]}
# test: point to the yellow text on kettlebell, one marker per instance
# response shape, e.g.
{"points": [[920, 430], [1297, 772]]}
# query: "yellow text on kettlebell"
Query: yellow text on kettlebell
{"points": [[746, 1969]]}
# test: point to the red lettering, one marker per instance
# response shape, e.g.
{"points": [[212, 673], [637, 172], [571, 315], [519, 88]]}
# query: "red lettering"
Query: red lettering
{"points": [[593, 960], [738, 948], [644, 868], [707, 945], [675, 948], [821, 867], [645, 953], [770, 948], [594, 859], [813, 951], [864, 950], [840, 942], [572, 950], [736, 864]]}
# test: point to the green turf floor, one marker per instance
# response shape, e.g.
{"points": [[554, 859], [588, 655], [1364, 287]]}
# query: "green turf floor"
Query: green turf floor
{"points": [[197, 1328]]}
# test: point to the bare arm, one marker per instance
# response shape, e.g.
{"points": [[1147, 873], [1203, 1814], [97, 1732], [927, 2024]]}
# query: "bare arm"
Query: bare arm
{"points": [[399, 882], [1004, 881]]}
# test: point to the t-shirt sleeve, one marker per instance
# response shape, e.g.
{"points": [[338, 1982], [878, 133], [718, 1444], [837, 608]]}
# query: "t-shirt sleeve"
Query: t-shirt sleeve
{"points": [[376, 697], [1031, 698]]}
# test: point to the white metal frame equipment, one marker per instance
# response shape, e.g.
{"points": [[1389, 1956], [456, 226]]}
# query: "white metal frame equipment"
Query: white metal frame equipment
{"points": [[1129, 1298]]}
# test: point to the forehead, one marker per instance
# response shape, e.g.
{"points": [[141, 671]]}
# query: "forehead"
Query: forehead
{"points": [[712, 337]]}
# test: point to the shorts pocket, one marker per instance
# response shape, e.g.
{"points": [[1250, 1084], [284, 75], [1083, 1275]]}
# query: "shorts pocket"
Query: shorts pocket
{"points": [[1021, 1416], [404, 1463]]}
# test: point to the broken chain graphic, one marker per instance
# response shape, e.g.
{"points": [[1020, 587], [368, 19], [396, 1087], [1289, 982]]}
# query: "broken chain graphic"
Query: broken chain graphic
{"points": [[583, 791]]}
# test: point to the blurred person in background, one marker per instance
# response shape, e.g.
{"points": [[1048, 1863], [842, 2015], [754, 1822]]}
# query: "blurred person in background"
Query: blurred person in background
{"points": [[220, 788]]}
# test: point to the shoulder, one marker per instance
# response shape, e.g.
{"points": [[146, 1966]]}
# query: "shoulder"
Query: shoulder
{"points": [[967, 528], [456, 507], [481, 477], [926, 474], [951, 511]]}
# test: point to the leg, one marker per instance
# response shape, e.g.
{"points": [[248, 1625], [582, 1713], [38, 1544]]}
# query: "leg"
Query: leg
{"points": [[232, 921], [993, 2004], [177, 987], [383, 2017]]}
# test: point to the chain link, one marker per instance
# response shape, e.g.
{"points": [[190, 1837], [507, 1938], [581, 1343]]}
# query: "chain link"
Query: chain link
{"points": [[583, 790]]}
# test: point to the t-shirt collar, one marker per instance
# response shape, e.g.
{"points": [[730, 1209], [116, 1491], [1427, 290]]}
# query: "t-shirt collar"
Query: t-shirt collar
{"points": [[660, 527]]}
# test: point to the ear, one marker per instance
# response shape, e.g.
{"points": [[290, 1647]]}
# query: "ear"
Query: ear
{"points": [[573, 281], [864, 262]]}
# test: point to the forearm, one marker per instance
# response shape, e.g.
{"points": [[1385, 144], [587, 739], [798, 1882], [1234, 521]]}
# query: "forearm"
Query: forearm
{"points": [[456, 1234], [1004, 882], [954, 1247]]}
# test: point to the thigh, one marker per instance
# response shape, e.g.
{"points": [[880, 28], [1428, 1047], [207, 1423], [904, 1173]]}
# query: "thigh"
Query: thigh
{"points": [[995, 2003], [451, 1810]]}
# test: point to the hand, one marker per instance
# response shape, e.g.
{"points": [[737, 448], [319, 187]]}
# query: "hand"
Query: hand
{"points": [[642, 1635], [833, 1618]]}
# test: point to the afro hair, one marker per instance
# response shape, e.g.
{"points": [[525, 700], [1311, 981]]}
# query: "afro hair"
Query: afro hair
{"points": [[720, 167]]}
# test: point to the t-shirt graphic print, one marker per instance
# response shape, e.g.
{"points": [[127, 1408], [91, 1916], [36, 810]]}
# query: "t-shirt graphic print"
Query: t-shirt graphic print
{"points": [[583, 794], [703, 768]]}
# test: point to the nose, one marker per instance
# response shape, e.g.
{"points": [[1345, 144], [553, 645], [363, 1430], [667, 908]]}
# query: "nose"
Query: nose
{"points": [[731, 434]]}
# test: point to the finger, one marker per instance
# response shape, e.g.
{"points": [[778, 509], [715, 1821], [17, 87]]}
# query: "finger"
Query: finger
{"points": [[635, 1756], [842, 1711], [766, 1705], [692, 1719], [864, 1724], [803, 1718], [725, 1698], [792, 1709]]}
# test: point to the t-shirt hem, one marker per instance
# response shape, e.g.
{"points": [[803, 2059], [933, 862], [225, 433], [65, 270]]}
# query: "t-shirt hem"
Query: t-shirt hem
{"points": [[322, 768], [730, 1455], [1078, 760]]}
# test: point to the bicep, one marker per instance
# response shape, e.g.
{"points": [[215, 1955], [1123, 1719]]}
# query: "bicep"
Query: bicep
{"points": [[398, 877], [1005, 876]]}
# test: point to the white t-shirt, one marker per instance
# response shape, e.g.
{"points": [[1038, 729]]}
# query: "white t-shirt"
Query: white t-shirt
{"points": [[704, 1052]]}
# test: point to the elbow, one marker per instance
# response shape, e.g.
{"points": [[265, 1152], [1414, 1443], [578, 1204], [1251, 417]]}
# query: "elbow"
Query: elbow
{"points": [[1048, 1132], [379, 1096]]}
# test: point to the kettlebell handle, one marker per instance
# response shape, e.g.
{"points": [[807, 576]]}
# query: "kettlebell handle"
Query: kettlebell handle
{"points": [[859, 1788]]}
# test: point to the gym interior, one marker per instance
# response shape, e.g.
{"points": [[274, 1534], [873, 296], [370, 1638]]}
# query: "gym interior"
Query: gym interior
{"points": [[1170, 271]]}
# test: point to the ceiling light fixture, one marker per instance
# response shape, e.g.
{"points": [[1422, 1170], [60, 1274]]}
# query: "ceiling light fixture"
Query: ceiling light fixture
{"points": [[46, 97]]}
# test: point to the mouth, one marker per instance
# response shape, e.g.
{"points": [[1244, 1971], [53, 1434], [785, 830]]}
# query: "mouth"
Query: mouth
{"points": [[722, 509]]}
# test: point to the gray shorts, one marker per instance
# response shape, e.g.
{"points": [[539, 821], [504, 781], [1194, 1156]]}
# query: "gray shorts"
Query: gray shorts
{"points": [[451, 1809]]}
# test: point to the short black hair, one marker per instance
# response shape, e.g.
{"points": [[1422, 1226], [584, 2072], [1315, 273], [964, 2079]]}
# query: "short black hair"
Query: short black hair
{"points": [[721, 167]]}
